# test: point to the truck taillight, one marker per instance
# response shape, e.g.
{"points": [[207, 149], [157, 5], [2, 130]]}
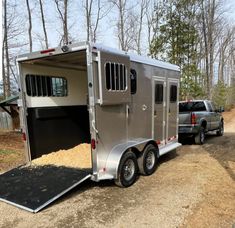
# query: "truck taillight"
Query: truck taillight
{"points": [[93, 144], [193, 118], [24, 136]]}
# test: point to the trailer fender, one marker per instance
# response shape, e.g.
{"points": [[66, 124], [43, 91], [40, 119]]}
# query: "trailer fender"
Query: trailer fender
{"points": [[116, 154]]}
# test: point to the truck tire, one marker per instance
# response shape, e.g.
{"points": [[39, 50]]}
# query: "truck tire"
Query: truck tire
{"points": [[147, 162], [220, 132], [200, 137], [127, 170]]}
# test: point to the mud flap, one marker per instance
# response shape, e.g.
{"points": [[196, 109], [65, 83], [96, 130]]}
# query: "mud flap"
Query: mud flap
{"points": [[34, 187]]}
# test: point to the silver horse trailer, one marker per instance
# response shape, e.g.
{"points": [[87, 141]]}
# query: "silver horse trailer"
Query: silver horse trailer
{"points": [[124, 105]]}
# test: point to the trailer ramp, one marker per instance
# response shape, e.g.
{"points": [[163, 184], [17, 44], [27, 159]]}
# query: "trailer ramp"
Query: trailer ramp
{"points": [[34, 187]]}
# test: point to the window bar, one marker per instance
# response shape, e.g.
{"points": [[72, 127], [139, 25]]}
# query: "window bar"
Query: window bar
{"points": [[125, 77], [119, 77], [51, 85], [115, 76], [110, 76], [30, 83], [41, 85], [36, 84], [55, 88], [45, 80]]}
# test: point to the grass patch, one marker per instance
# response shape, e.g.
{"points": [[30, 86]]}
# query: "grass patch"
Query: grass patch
{"points": [[6, 152]]}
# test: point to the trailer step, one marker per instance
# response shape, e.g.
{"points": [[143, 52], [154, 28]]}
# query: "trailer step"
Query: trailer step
{"points": [[34, 187]]}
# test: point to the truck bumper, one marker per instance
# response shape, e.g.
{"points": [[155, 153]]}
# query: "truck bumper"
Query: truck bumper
{"points": [[191, 129]]}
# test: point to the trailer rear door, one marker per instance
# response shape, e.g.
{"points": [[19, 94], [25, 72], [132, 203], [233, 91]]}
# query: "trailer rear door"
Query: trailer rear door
{"points": [[33, 188]]}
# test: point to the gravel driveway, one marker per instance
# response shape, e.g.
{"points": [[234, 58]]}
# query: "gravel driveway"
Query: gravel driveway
{"points": [[193, 187]]}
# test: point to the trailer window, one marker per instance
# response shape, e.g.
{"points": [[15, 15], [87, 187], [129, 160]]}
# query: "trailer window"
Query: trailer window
{"points": [[46, 86], [133, 81], [115, 77], [173, 93], [158, 93]]}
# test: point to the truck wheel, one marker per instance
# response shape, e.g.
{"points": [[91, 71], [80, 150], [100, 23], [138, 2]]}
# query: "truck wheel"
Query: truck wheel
{"points": [[148, 160], [200, 137], [127, 170], [220, 132]]}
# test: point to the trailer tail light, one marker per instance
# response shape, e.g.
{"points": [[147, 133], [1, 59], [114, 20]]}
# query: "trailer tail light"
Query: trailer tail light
{"points": [[47, 51], [193, 118], [93, 144], [24, 136]]}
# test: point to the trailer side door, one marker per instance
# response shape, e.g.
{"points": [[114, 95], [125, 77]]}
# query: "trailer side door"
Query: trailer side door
{"points": [[159, 94], [172, 109]]}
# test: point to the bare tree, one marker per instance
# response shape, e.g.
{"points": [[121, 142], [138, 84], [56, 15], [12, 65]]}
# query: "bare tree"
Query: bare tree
{"points": [[211, 15], [13, 41], [226, 39], [95, 11], [143, 8], [126, 24], [153, 15], [62, 8], [43, 23], [30, 26], [121, 6], [88, 8], [5, 53]]}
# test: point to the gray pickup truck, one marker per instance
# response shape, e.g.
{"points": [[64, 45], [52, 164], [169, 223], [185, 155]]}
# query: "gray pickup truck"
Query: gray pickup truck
{"points": [[197, 117]]}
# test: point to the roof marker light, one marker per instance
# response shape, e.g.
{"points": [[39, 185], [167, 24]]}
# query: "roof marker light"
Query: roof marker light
{"points": [[47, 51]]}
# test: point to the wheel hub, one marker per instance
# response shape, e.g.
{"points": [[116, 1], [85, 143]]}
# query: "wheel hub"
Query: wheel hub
{"points": [[150, 160], [129, 169]]}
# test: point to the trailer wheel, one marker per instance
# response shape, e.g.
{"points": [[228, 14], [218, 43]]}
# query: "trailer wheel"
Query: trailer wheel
{"points": [[127, 170], [148, 160], [200, 137]]}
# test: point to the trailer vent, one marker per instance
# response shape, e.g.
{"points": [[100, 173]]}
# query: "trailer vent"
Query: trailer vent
{"points": [[46, 86], [115, 77]]}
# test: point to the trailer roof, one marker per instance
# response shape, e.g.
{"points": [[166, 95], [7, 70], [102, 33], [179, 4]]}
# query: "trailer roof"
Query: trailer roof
{"points": [[83, 45], [138, 58]]}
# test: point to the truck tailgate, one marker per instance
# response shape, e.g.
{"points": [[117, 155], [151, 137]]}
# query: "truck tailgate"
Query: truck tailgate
{"points": [[184, 118], [34, 187]]}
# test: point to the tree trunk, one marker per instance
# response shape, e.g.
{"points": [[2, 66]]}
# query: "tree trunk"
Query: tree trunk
{"points": [[43, 23], [30, 27], [204, 30], [121, 26], [66, 35], [6, 64]]}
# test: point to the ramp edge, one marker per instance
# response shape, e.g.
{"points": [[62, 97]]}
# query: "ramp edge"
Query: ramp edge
{"points": [[49, 201], [62, 193]]}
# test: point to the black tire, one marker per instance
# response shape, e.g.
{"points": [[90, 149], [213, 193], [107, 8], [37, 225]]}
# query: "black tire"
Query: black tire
{"points": [[127, 170], [200, 137], [147, 162], [220, 132]]}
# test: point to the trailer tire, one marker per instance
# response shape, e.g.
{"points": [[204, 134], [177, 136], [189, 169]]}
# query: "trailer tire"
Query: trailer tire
{"points": [[127, 170], [200, 137], [147, 162]]}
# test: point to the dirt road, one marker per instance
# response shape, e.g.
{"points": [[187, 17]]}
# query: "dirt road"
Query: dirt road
{"points": [[194, 187]]}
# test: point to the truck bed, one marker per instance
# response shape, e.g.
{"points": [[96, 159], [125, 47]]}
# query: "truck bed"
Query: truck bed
{"points": [[34, 187]]}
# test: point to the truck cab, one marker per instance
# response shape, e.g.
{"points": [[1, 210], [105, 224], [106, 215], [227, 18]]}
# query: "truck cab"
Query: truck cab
{"points": [[197, 117]]}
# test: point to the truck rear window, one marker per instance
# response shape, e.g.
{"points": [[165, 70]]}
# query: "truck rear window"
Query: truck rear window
{"points": [[192, 106]]}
